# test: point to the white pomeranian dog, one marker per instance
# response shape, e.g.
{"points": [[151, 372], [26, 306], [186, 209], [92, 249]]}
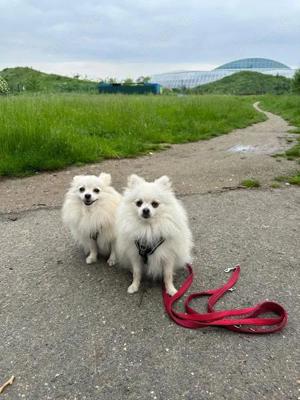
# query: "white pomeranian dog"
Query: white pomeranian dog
{"points": [[153, 235], [89, 212]]}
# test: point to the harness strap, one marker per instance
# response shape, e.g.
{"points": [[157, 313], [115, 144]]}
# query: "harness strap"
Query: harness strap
{"points": [[94, 235], [243, 320], [145, 250]]}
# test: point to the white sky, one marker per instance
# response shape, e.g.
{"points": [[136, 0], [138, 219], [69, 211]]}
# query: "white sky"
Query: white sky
{"points": [[129, 38]]}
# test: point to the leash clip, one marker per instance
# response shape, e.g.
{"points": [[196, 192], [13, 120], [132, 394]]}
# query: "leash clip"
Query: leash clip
{"points": [[232, 289], [229, 269]]}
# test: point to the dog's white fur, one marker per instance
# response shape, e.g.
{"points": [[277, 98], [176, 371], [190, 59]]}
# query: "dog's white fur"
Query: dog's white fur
{"points": [[89, 212], [168, 220]]}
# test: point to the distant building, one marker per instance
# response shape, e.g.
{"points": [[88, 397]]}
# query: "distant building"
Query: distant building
{"points": [[134, 88], [190, 79]]}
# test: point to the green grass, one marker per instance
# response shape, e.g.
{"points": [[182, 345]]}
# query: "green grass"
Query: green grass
{"points": [[250, 183], [246, 83], [289, 108], [275, 185], [47, 132], [293, 180]]}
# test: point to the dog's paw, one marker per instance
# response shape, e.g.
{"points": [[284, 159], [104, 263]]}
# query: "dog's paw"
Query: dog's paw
{"points": [[133, 288], [171, 291], [112, 260], [92, 258]]}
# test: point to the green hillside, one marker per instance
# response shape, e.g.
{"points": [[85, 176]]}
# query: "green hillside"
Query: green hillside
{"points": [[24, 79], [247, 83]]}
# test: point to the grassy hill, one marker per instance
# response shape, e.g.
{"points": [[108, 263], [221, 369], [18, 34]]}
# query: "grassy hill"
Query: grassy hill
{"points": [[246, 83], [24, 79]]}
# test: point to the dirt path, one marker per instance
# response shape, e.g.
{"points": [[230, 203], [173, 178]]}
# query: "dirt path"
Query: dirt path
{"points": [[194, 167]]}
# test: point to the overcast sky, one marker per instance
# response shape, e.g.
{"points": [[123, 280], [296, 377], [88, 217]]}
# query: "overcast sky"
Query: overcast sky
{"points": [[128, 38]]}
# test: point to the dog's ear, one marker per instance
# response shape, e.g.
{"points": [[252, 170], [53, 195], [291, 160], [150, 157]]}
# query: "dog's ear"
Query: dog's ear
{"points": [[105, 179], [164, 181], [76, 179], [134, 180]]}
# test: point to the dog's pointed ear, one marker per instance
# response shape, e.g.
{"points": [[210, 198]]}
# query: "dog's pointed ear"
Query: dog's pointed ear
{"points": [[134, 180], [76, 179], [164, 181], [105, 179]]}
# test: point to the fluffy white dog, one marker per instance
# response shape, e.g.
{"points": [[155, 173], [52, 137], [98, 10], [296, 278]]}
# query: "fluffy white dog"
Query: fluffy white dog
{"points": [[153, 236], [89, 212]]}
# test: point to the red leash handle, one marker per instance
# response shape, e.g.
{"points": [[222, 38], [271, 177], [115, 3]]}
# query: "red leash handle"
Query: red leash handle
{"points": [[243, 320]]}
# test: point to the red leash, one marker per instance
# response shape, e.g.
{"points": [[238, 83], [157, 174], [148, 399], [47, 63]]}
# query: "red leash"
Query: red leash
{"points": [[243, 320]]}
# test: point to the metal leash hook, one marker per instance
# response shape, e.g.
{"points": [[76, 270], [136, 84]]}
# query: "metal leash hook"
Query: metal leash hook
{"points": [[232, 289], [229, 269]]}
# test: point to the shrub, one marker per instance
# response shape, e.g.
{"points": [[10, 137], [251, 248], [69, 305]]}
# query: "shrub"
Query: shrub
{"points": [[3, 86], [296, 82]]}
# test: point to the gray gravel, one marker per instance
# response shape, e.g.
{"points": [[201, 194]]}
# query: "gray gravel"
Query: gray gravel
{"points": [[70, 331]]}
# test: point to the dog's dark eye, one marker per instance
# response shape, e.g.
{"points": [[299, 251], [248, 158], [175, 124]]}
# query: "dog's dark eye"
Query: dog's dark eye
{"points": [[139, 203], [96, 190], [155, 204], [81, 189]]}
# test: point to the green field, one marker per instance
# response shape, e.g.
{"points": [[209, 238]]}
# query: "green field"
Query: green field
{"points": [[47, 132]]}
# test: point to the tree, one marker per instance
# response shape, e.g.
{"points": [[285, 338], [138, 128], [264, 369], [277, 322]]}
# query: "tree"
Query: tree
{"points": [[111, 80], [143, 79], [128, 81], [3, 86], [296, 82]]}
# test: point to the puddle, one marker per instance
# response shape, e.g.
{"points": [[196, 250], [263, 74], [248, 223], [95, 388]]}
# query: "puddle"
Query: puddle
{"points": [[241, 148]]}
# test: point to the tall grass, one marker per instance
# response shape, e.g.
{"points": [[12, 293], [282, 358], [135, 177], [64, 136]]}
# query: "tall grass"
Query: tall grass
{"points": [[46, 132], [289, 108]]}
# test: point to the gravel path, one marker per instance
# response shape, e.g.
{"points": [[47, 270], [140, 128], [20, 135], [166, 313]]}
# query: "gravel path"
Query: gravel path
{"points": [[71, 332]]}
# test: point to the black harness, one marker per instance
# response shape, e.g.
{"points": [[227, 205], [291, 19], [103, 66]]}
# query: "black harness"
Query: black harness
{"points": [[94, 235], [145, 249]]}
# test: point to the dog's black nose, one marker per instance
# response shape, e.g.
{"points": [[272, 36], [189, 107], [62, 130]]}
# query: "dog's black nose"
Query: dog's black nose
{"points": [[88, 196], [146, 212]]}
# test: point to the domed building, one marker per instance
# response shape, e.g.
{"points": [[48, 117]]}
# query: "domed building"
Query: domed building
{"points": [[190, 79]]}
